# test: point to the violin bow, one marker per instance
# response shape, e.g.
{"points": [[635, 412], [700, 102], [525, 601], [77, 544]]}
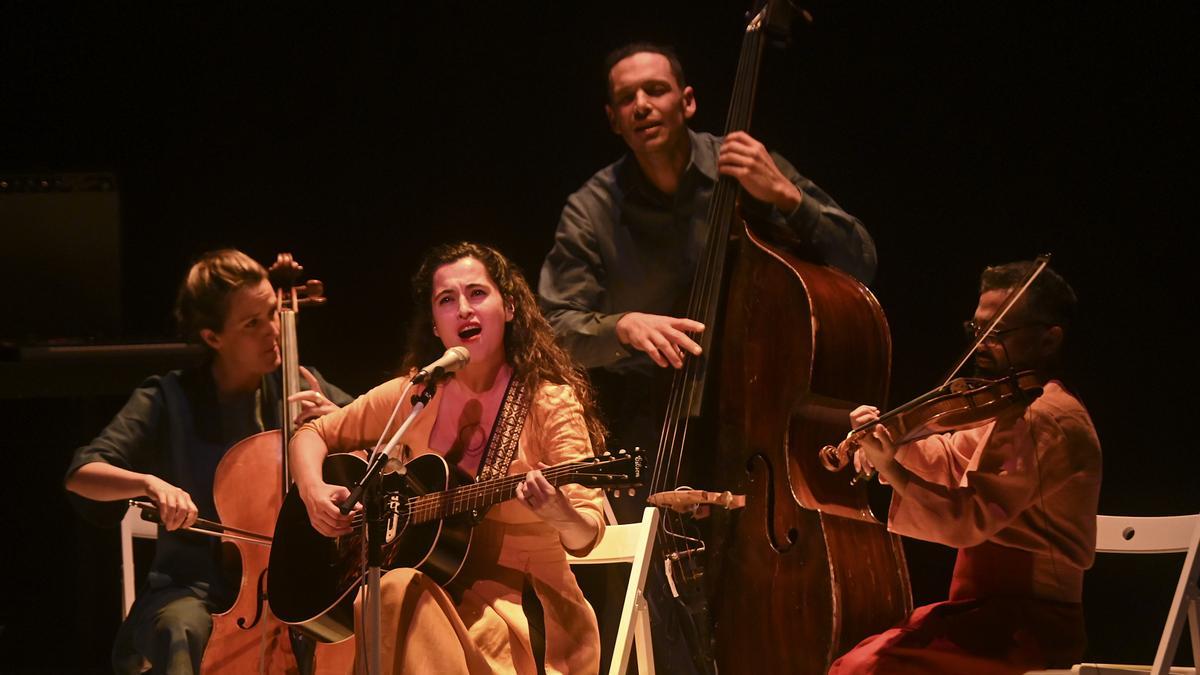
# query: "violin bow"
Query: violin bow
{"points": [[1040, 264]]}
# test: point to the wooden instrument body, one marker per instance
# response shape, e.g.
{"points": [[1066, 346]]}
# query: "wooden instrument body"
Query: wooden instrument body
{"points": [[248, 634], [315, 577], [430, 515], [805, 564]]}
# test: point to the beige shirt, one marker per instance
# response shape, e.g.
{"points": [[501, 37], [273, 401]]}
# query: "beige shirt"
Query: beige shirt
{"points": [[511, 548], [554, 432], [1030, 482]]}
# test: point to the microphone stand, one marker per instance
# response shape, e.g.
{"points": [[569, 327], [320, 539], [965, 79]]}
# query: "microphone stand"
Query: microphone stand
{"points": [[370, 491]]}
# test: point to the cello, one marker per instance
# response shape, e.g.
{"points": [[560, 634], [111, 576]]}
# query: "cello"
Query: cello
{"points": [[803, 571], [248, 489]]}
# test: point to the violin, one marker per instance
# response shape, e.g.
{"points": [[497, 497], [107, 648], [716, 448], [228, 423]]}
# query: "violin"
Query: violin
{"points": [[959, 403], [962, 403]]}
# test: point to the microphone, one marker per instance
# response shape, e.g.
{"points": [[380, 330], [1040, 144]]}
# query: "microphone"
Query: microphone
{"points": [[452, 360]]}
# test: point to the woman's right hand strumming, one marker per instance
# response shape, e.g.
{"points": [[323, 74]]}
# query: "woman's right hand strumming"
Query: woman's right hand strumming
{"points": [[322, 501]]}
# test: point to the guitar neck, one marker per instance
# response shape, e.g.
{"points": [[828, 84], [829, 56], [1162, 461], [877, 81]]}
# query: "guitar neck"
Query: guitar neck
{"points": [[439, 505]]}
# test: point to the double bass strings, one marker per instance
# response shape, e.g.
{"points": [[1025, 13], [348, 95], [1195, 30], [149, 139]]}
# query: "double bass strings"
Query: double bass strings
{"points": [[687, 384]]}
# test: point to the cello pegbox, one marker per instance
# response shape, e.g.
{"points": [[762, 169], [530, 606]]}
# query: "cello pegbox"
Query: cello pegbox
{"points": [[311, 293]]}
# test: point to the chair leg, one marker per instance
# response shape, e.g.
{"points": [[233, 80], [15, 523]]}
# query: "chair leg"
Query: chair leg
{"points": [[1183, 609], [128, 584], [1194, 623], [641, 637]]}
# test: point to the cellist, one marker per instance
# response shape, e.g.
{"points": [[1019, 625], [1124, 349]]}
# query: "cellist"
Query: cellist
{"points": [[165, 445], [1017, 497]]}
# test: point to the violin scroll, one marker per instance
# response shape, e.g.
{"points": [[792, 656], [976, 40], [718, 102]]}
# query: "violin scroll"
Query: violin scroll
{"points": [[837, 457]]}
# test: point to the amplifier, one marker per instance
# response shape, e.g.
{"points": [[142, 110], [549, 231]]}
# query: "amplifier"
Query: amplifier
{"points": [[60, 257]]}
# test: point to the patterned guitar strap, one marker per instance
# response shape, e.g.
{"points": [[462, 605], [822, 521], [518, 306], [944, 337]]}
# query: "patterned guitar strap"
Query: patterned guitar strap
{"points": [[506, 432]]}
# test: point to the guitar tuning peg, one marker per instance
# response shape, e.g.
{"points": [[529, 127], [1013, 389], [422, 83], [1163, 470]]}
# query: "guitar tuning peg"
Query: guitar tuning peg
{"points": [[616, 493], [632, 492]]}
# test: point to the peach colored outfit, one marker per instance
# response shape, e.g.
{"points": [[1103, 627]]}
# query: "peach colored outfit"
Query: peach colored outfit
{"points": [[1018, 498], [478, 624]]}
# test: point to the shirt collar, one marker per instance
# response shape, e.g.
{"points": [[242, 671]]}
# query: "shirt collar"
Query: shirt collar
{"points": [[703, 159]]}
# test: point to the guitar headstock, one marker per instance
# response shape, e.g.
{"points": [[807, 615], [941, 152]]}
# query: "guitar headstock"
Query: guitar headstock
{"points": [[619, 470]]}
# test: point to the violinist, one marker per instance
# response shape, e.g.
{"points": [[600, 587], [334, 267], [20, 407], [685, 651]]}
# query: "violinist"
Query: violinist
{"points": [[165, 445], [1016, 496], [515, 602]]}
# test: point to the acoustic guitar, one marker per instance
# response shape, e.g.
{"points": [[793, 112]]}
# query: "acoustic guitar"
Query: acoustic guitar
{"points": [[430, 515]]}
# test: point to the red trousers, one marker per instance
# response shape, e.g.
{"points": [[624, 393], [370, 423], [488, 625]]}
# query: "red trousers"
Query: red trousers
{"points": [[991, 624]]}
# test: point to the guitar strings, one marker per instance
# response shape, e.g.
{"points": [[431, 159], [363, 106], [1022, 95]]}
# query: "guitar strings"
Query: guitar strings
{"points": [[420, 506]]}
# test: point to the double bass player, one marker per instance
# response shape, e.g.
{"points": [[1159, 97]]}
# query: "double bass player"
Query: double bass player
{"points": [[628, 243], [628, 240]]}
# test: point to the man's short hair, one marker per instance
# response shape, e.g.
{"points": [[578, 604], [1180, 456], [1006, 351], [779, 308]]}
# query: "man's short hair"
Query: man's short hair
{"points": [[1049, 300], [621, 53]]}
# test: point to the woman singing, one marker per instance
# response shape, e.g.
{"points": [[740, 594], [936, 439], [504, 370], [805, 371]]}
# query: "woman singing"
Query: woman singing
{"points": [[516, 601]]}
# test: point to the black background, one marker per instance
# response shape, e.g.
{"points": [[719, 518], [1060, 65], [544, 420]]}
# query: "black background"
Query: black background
{"points": [[963, 134]]}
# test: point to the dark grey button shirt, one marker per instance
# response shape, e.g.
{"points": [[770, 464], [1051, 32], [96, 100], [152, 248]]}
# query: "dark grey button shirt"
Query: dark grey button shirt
{"points": [[624, 246]]}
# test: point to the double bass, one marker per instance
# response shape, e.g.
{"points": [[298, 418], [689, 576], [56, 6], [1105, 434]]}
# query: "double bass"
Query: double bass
{"points": [[249, 486], [803, 571]]}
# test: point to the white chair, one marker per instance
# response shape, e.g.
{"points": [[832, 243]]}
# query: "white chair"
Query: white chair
{"points": [[629, 544], [1167, 534], [132, 525]]}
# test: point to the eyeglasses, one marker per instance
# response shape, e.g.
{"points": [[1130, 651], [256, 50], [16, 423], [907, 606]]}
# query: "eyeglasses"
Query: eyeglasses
{"points": [[973, 330]]}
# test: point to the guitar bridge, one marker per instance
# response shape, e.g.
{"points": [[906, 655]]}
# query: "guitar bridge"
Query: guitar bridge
{"points": [[391, 507]]}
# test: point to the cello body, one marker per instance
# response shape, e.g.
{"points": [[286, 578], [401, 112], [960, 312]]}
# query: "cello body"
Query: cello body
{"points": [[804, 572], [247, 637]]}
